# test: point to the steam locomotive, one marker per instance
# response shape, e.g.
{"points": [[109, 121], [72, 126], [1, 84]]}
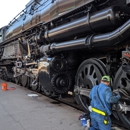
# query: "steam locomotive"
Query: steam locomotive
{"points": [[57, 46]]}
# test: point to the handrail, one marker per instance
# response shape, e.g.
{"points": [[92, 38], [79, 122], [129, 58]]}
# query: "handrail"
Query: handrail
{"points": [[23, 11], [17, 16]]}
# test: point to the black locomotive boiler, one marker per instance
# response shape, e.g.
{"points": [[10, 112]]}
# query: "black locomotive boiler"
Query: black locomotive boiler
{"points": [[57, 46]]}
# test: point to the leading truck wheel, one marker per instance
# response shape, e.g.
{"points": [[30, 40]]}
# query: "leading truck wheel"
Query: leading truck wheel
{"points": [[89, 74], [122, 80]]}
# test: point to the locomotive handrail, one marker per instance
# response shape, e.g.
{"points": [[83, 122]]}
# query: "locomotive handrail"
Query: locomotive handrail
{"points": [[17, 16], [24, 11]]}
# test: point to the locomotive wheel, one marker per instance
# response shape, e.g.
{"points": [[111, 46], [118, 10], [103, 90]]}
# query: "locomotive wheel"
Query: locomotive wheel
{"points": [[122, 80], [5, 76], [17, 80], [39, 87], [33, 87], [89, 74], [61, 82], [57, 64], [24, 80], [46, 92], [20, 80]]}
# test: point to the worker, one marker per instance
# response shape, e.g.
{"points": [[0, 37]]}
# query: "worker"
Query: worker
{"points": [[101, 99]]}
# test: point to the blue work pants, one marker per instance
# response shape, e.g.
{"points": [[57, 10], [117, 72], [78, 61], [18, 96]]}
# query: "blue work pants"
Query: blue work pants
{"points": [[97, 122]]}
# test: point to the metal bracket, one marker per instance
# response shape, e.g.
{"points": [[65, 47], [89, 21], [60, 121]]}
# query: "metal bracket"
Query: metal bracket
{"points": [[121, 107]]}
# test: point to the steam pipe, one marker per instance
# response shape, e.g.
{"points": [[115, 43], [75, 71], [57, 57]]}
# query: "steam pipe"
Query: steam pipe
{"points": [[69, 45], [116, 37], [89, 24], [113, 38]]}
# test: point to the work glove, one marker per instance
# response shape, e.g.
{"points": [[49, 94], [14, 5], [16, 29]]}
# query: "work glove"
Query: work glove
{"points": [[116, 93]]}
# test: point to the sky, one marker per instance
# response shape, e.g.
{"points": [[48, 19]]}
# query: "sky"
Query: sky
{"points": [[9, 9]]}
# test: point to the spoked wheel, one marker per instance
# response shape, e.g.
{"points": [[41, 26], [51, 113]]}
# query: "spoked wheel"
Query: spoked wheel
{"points": [[122, 80], [89, 74]]}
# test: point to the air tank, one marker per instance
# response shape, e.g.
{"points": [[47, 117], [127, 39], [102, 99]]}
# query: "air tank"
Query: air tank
{"points": [[92, 23]]}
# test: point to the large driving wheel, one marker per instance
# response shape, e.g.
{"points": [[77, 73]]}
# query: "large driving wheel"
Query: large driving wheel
{"points": [[89, 74], [122, 80]]}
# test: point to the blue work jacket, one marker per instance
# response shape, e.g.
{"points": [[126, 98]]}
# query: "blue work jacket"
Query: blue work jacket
{"points": [[106, 97]]}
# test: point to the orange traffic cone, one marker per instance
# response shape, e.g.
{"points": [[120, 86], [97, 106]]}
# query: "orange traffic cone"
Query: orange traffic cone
{"points": [[4, 86]]}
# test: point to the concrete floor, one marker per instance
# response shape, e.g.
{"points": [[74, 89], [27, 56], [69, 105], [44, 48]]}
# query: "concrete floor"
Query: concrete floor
{"points": [[18, 111]]}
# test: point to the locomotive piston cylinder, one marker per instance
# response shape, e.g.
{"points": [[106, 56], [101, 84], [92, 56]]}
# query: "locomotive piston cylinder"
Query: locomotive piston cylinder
{"points": [[89, 24]]}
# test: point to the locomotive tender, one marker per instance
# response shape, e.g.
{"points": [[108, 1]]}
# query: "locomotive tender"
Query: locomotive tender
{"points": [[56, 46]]}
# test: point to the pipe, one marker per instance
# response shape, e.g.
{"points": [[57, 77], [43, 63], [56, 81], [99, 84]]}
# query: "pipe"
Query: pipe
{"points": [[92, 23], [115, 37], [69, 45]]}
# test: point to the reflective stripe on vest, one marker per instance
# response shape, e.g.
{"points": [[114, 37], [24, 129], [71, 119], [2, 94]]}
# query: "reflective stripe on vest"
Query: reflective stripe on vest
{"points": [[98, 111], [105, 122]]}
